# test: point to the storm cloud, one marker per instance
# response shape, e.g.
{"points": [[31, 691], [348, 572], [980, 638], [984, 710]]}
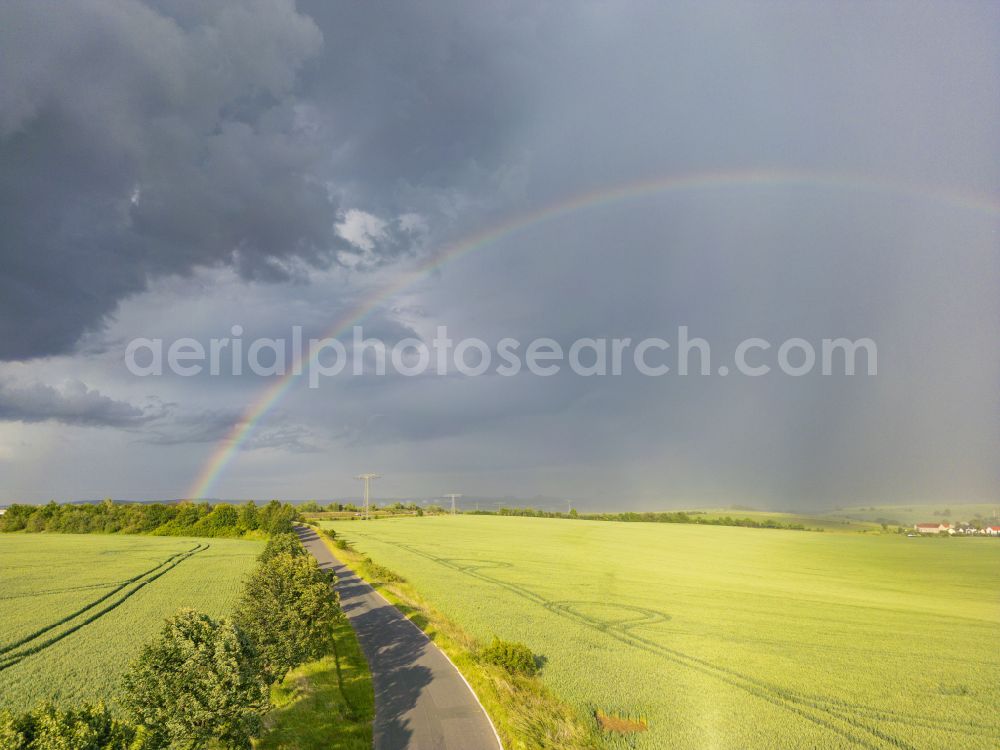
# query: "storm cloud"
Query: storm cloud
{"points": [[73, 404], [146, 139]]}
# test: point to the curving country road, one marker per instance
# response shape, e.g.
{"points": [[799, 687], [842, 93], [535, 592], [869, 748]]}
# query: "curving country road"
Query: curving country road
{"points": [[421, 700]]}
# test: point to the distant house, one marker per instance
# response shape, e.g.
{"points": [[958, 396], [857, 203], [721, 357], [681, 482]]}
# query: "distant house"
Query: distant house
{"points": [[932, 528], [991, 530]]}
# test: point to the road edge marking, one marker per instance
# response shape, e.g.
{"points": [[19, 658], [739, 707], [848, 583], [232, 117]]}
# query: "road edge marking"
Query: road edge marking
{"points": [[458, 671]]}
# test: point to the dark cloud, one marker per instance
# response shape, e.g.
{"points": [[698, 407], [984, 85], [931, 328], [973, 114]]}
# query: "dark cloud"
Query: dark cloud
{"points": [[134, 142], [431, 93], [143, 139], [212, 426], [73, 404]]}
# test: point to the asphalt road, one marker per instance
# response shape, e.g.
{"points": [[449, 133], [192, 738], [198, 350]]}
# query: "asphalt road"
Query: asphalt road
{"points": [[421, 701]]}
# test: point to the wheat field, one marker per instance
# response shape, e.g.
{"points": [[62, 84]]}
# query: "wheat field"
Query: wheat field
{"points": [[722, 637], [76, 609]]}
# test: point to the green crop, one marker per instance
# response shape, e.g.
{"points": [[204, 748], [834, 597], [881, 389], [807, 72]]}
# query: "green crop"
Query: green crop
{"points": [[75, 610], [714, 637]]}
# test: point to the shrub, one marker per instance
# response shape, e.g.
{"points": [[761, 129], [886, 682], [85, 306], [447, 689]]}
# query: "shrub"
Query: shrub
{"points": [[381, 573], [512, 656]]}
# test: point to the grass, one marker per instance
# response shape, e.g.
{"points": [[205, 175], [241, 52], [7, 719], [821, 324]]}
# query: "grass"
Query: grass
{"points": [[325, 705], [524, 711], [76, 609], [715, 636]]}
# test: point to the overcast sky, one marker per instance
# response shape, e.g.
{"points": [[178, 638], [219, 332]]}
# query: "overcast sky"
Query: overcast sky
{"points": [[171, 169]]}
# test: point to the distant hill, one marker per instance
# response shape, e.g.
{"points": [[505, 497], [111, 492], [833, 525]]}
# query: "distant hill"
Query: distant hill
{"points": [[916, 513]]}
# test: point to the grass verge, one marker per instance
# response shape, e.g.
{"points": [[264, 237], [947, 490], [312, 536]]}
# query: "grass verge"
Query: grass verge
{"points": [[526, 714], [327, 704]]}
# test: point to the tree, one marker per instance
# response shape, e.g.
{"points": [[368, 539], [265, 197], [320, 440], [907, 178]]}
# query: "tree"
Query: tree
{"points": [[188, 514], [11, 734], [197, 682], [288, 611], [223, 517], [281, 544], [277, 518], [16, 517], [83, 727], [248, 518], [36, 522]]}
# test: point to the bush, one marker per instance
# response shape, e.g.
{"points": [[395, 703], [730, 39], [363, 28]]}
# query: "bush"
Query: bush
{"points": [[514, 657], [381, 573]]}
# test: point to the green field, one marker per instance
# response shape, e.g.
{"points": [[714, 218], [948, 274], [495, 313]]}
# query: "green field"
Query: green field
{"points": [[76, 609], [727, 637]]}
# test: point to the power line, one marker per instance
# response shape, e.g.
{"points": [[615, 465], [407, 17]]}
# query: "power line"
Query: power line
{"points": [[453, 497], [367, 479]]}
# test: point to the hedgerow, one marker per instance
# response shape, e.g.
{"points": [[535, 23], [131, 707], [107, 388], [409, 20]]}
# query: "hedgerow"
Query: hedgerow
{"points": [[163, 519]]}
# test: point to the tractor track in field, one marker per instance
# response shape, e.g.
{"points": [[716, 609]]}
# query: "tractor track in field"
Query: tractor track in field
{"points": [[852, 722], [63, 590], [10, 655]]}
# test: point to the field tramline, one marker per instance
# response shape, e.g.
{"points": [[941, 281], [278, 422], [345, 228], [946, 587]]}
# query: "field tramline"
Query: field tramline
{"points": [[725, 637], [76, 609]]}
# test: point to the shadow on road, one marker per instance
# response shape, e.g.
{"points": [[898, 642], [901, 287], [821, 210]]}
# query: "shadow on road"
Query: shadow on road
{"points": [[421, 702]]}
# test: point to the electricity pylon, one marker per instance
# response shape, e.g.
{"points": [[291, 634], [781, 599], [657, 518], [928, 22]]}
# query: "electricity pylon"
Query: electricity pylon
{"points": [[367, 479], [453, 497]]}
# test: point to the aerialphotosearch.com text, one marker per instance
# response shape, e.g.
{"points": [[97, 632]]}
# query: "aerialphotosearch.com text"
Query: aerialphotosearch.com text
{"points": [[472, 357]]}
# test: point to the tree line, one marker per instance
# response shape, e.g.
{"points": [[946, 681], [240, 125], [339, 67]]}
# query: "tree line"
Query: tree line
{"points": [[337, 507], [204, 682], [184, 518], [648, 517]]}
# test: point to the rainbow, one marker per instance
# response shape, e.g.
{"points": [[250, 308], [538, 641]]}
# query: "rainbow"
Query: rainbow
{"points": [[227, 448]]}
